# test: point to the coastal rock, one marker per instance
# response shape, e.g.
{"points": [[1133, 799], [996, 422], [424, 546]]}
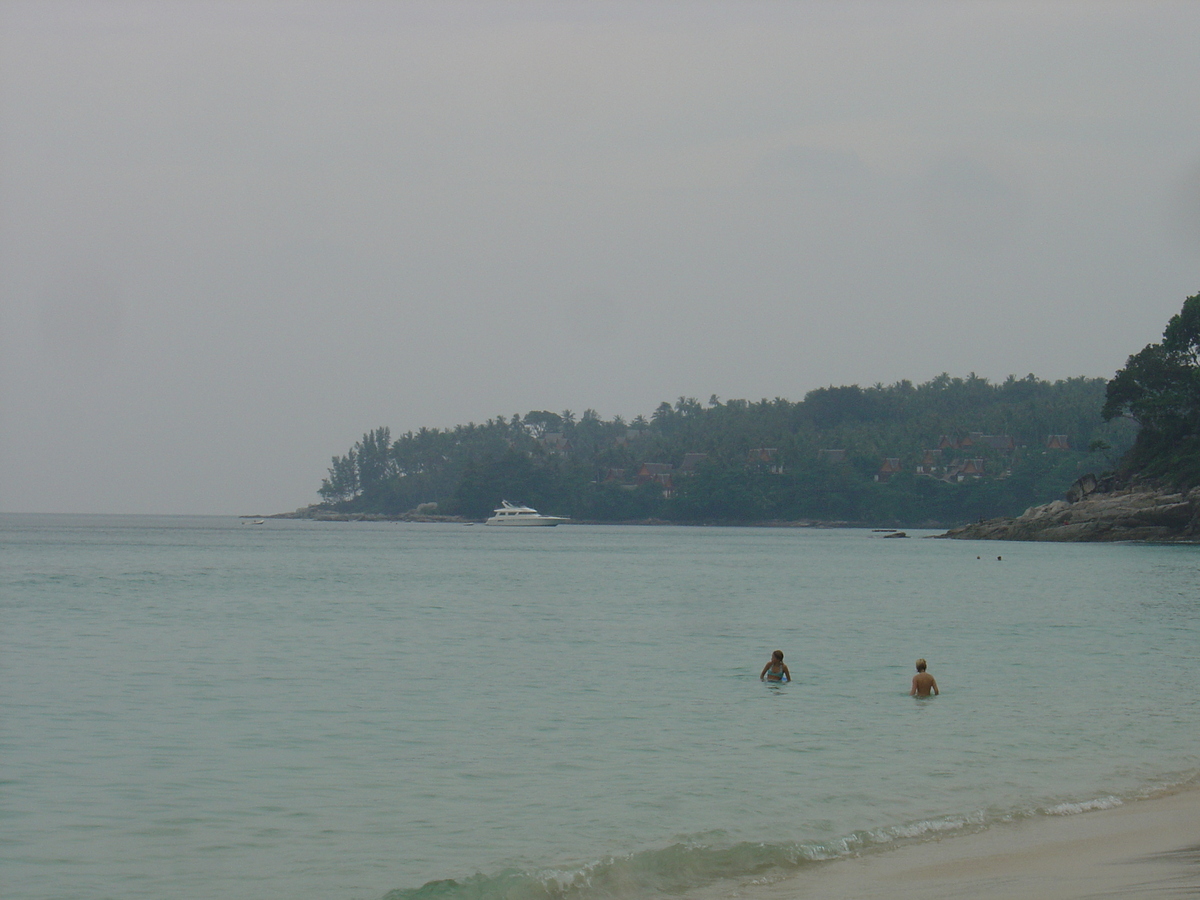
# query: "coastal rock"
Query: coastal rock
{"points": [[1137, 512], [320, 513]]}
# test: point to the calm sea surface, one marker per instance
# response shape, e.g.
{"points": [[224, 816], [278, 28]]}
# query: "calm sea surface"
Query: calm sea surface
{"points": [[198, 708]]}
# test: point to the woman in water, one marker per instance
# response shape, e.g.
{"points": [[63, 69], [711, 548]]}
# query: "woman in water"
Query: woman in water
{"points": [[775, 670]]}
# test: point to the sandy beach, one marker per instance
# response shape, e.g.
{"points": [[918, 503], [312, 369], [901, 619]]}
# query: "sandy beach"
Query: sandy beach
{"points": [[1142, 849]]}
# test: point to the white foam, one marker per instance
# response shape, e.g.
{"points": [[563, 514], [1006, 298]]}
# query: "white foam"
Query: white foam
{"points": [[929, 826], [1071, 809]]}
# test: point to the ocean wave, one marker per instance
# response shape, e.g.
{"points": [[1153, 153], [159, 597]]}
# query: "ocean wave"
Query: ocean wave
{"points": [[691, 865], [1070, 809], [677, 868], [673, 869]]}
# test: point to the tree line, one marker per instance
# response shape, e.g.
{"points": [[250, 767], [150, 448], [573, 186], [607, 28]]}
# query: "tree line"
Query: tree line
{"points": [[1159, 390], [940, 453]]}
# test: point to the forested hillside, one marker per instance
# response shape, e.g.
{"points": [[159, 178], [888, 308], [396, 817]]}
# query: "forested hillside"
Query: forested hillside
{"points": [[940, 453], [1159, 389]]}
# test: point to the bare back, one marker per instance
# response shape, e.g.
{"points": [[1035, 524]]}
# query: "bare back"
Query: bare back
{"points": [[923, 684]]}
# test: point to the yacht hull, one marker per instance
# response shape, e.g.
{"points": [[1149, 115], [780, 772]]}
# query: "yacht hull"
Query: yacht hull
{"points": [[509, 515]]}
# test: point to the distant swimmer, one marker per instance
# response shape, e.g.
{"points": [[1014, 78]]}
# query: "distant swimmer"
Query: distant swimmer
{"points": [[775, 670], [923, 682]]}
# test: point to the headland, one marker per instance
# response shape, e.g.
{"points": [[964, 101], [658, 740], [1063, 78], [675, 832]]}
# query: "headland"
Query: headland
{"points": [[1100, 510]]}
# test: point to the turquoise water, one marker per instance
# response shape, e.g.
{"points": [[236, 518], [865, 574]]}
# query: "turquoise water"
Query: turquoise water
{"points": [[197, 708]]}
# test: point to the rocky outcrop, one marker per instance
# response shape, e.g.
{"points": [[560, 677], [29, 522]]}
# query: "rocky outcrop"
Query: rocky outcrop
{"points": [[1097, 511], [324, 514]]}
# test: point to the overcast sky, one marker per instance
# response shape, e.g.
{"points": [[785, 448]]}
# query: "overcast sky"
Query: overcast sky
{"points": [[235, 236]]}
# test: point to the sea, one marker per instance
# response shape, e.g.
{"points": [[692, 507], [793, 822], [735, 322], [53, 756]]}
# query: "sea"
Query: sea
{"points": [[200, 707]]}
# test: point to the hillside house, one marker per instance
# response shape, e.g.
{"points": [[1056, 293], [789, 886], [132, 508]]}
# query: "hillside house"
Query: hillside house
{"points": [[931, 463], [766, 458], [890, 467], [1058, 442], [962, 469], [657, 473], [615, 477]]}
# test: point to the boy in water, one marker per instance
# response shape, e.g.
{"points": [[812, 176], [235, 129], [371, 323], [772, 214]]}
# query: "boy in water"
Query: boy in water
{"points": [[923, 682], [775, 670]]}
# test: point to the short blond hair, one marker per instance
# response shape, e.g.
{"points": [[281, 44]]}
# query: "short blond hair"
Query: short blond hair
{"points": [[920, 665]]}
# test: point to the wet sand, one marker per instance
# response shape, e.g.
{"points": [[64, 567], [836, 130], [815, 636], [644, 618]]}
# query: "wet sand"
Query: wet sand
{"points": [[1143, 849]]}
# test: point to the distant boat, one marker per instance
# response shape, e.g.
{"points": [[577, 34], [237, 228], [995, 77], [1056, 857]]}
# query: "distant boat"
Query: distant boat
{"points": [[511, 514]]}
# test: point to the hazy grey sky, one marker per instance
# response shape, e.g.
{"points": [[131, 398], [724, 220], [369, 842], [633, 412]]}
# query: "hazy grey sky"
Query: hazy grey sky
{"points": [[235, 236]]}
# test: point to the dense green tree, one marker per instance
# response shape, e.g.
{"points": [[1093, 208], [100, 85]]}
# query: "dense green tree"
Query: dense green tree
{"points": [[1159, 388], [375, 461], [470, 468], [541, 421], [342, 483], [507, 475]]}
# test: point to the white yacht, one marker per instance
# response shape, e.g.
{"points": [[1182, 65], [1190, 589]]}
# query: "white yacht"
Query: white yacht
{"points": [[510, 514]]}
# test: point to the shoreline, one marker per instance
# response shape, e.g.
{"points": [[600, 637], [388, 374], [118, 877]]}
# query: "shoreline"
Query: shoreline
{"points": [[1142, 849], [316, 514], [1092, 510]]}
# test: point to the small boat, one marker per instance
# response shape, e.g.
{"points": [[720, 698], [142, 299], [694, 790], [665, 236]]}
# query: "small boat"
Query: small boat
{"points": [[511, 514]]}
